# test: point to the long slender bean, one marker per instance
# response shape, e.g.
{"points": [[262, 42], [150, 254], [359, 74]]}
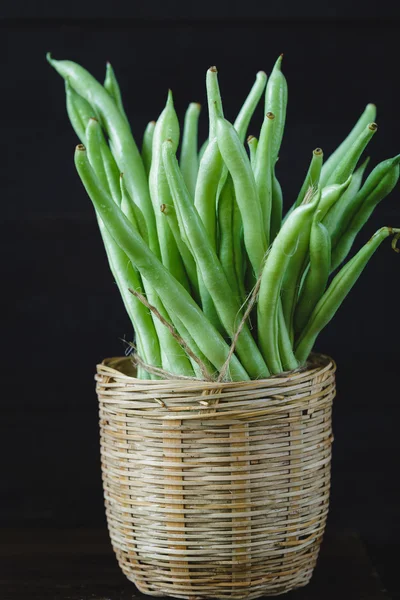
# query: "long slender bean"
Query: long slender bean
{"points": [[263, 171], [252, 143], [276, 94], [167, 127], [276, 208], [246, 112], [286, 354], [276, 264], [147, 146], [317, 276], [313, 175], [337, 292], [175, 297], [102, 160], [133, 212], [238, 164], [368, 116], [112, 86], [189, 158]]}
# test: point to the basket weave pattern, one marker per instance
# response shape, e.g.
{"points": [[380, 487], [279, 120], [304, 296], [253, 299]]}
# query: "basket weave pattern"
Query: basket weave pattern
{"points": [[216, 490]]}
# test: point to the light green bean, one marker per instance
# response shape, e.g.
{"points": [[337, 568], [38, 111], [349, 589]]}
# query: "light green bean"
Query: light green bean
{"points": [[189, 159], [147, 146]]}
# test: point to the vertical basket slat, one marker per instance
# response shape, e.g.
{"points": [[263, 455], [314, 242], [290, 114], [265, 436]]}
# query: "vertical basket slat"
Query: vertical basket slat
{"points": [[216, 490]]}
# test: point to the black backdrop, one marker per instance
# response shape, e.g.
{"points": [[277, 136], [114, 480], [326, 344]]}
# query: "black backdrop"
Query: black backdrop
{"points": [[61, 309]]}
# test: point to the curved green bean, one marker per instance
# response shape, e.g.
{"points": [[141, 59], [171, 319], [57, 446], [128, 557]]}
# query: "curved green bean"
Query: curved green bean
{"points": [[276, 264], [346, 166], [370, 201], [316, 279], [286, 354], [368, 116], [210, 268], [167, 127], [79, 112], [102, 160], [175, 297], [276, 208], [189, 159], [112, 86], [276, 102], [246, 112], [147, 146], [263, 171], [133, 212], [313, 175], [235, 158], [337, 292]]}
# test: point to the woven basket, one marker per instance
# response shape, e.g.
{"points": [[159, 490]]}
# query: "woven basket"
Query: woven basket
{"points": [[216, 490]]}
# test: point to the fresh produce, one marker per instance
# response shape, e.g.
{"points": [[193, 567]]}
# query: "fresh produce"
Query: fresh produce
{"points": [[217, 282]]}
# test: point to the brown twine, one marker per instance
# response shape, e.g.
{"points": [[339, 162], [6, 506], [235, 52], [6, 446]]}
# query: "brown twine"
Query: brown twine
{"points": [[251, 299]]}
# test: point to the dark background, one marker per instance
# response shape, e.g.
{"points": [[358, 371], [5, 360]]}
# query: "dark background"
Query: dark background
{"points": [[61, 310]]}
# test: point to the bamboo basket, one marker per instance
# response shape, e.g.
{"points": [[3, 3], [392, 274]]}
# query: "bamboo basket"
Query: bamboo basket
{"points": [[216, 490]]}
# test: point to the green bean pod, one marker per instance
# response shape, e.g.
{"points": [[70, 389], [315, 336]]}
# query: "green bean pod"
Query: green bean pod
{"points": [[112, 86], [122, 143], [147, 146], [207, 186], [276, 208], [276, 102], [240, 262], [313, 175], [226, 249], [215, 110], [203, 148], [286, 354], [316, 279], [102, 160], [330, 196], [189, 159], [297, 263], [238, 164], [250, 104], [133, 212], [168, 210], [340, 286], [263, 171], [167, 127], [276, 264], [252, 143], [370, 201], [175, 297], [342, 210], [228, 308], [79, 112], [349, 161], [368, 116]]}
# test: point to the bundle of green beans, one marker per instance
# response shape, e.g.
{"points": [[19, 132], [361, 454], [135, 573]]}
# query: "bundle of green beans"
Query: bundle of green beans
{"points": [[217, 283]]}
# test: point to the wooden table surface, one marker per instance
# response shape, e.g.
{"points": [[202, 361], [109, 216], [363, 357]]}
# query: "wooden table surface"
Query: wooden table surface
{"points": [[80, 565]]}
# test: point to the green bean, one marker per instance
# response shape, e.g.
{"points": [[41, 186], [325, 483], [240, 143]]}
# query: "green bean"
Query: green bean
{"points": [[252, 143], [246, 112], [368, 116], [79, 112], [203, 148], [189, 160], [276, 102], [123, 145], [210, 268], [361, 216], [112, 87], [206, 194], [168, 210], [330, 195], [102, 160], [298, 262], [313, 175], [346, 166], [226, 250], [342, 210], [287, 357], [133, 212], [337, 292], [238, 250], [276, 264], [167, 127], [235, 158], [317, 276], [276, 208], [147, 146], [263, 171], [175, 297], [214, 101]]}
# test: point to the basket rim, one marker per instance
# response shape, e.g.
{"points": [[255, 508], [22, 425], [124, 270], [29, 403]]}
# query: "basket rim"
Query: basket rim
{"points": [[113, 367]]}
